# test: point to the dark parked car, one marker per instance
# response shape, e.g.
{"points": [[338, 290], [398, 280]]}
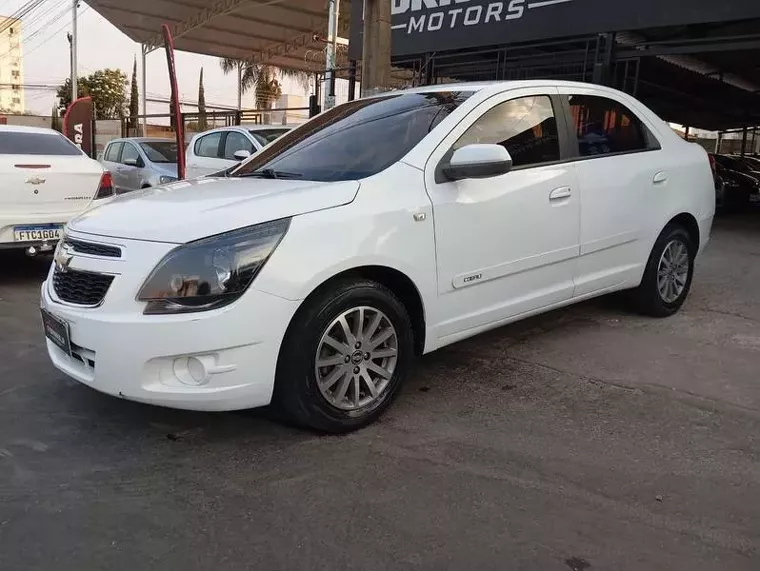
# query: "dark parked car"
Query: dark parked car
{"points": [[740, 186]]}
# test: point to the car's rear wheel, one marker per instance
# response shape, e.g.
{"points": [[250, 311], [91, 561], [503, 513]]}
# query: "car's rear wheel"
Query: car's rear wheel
{"points": [[344, 357], [667, 278]]}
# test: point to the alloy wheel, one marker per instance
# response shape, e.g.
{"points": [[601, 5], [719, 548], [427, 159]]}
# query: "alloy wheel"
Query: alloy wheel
{"points": [[356, 358], [673, 271]]}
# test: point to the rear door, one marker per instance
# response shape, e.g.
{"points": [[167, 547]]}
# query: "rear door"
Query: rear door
{"points": [[206, 155], [43, 173], [623, 177], [111, 163]]}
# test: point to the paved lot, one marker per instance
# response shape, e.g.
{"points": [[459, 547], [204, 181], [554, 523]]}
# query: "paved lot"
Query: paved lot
{"points": [[584, 439]]}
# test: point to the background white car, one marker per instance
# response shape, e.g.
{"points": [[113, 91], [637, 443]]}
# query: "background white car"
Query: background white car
{"points": [[218, 149], [44, 181], [389, 226]]}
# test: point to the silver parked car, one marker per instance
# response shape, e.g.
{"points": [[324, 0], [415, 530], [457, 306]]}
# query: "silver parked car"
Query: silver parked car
{"points": [[140, 162]]}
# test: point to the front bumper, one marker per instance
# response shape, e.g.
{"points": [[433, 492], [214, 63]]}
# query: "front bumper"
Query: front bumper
{"points": [[119, 351]]}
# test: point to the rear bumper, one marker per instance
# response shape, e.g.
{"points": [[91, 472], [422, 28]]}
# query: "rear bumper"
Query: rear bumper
{"points": [[8, 221]]}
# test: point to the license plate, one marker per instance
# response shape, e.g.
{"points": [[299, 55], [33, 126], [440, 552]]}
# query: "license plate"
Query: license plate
{"points": [[51, 232], [754, 197], [57, 330]]}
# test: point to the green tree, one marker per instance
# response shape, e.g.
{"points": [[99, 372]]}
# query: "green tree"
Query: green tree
{"points": [[134, 99], [202, 121], [263, 79], [107, 87]]}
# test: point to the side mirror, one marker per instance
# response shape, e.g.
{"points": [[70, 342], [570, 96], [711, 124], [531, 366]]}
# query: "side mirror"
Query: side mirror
{"points": [[132, 162], [241, 155], [478, 161]]}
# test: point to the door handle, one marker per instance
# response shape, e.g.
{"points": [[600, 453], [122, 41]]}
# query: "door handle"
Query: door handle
{"points": [[660, 177], [560, 193]]}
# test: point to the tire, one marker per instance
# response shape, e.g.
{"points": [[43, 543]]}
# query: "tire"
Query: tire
{"points": [[648, 298], [297, 386]]}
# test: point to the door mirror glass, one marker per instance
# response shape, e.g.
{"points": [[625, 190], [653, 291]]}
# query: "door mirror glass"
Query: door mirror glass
{"points": [[478, 161], [241, 155]]}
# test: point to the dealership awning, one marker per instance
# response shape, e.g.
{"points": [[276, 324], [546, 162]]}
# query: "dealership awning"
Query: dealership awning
{"points": [[285, 33]]}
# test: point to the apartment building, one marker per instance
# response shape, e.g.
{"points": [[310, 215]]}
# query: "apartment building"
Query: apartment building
{"points": [[11, 66]]}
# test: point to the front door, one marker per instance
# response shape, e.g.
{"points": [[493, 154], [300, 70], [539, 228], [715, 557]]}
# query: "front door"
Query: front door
{"points": [[506, 245]]}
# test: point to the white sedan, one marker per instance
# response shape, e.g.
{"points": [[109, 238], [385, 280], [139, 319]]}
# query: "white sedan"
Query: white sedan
{"points": [[44, 181], [219, 149], [384, 228]]}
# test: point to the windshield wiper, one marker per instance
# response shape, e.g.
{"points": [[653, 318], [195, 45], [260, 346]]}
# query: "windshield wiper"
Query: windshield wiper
{"points": [[271, 173]]}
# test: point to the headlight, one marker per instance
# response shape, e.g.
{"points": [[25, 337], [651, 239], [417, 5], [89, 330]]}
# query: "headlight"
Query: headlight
{"points": [[163, 179], [211, 272]]}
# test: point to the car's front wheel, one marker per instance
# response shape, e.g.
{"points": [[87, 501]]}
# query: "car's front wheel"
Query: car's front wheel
{"points": [[668, 274], [344, 357]]}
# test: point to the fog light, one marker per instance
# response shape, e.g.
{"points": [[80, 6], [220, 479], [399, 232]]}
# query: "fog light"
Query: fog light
{"points": [[197, 370], [192, 370]]}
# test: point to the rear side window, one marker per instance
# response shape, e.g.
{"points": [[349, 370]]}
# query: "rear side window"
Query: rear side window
{"points": [[208, 145], [526, 127], [112, 152], [606, 127], [16, 143]]}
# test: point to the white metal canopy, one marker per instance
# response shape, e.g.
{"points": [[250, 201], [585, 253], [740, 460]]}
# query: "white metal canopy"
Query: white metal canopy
{"points": [[284, 33]]}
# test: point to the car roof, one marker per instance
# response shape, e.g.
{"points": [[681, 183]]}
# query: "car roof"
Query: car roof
{"points": [[264, 127], [142, 140], [493, 86], [25, 129]]}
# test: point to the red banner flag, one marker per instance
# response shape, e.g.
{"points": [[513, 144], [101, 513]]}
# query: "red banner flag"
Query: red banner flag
{"points": [[179, 126], [77, 124]]}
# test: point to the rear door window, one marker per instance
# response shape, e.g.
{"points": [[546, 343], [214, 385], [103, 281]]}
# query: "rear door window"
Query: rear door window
{"points": [[24, 143], [606, 127]]}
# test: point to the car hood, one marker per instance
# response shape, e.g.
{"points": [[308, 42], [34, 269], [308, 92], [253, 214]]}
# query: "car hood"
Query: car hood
{"points": [[188, 210]]}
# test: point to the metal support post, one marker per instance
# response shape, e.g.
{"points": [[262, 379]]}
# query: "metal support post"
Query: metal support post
{"points": [[74, 61], [144, 91], [352, 80], [332, 39], [745, 132]]}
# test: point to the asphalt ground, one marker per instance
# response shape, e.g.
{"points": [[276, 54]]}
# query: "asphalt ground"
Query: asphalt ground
{"points": [[587, 438]]}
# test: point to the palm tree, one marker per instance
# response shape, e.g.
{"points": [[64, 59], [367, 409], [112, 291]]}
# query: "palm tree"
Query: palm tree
{"points": [[262, 78]]}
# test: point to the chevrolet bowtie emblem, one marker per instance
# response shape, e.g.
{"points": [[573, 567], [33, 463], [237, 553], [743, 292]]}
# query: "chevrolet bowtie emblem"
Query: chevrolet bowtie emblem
{"points": [[35, 180]]}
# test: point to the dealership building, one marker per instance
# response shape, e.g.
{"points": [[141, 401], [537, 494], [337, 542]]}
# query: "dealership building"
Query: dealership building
{"points": [[694, 62]]}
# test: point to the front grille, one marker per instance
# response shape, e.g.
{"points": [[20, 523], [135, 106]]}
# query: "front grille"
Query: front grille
{"points": [[94, 249], [81, 288]]}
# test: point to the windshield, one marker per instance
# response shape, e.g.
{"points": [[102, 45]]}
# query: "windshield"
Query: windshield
{"points": [[354, 140], [160, 151], [266, 136]]}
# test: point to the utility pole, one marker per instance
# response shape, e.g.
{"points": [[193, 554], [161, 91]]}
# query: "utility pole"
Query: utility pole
{"points": [[376, 47], [240, 86], [144, 71], [332, 42], [73, 42]]}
